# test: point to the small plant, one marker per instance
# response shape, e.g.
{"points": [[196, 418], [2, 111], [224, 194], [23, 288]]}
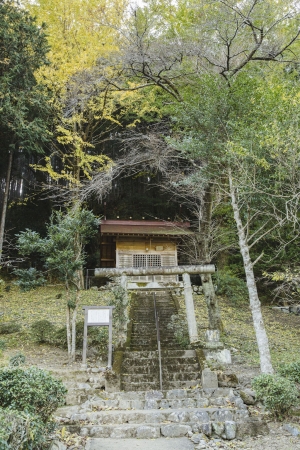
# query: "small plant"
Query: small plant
{"points": [[9, 328], [179, 327], [17, 360], [277, 393], [232, 287], [22, 431], [29, 278], [43, 332], [97, 336], [290, 371], [2, 345], [31, 390]]}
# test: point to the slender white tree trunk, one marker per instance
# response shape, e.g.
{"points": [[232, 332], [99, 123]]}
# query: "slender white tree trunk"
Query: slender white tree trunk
{"points": [[68, 323], [74, 317], [5, 202], [260, 332]]}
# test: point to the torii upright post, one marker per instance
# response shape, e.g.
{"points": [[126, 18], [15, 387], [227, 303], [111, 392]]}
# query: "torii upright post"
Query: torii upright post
{"points": [[190, 309]]}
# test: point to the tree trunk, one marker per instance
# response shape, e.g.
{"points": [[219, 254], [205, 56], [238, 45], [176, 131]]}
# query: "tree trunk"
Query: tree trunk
{"points": [[68, 322], [74, 317], [5, 201], [214, 312], [260, 332]]}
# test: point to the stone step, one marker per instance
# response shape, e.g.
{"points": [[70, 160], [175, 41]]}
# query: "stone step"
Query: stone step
{"points": [[165, 353], [167, 377], [128, 368], [210, 395], [163, 403], [154, 424], [144, 342], [155, 385], [178, 443], [166, 362], [183, 415]]}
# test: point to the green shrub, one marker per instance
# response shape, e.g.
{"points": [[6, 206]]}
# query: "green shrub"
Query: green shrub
{"points": [[2, 344], [31, 390], [232, 287], [29, 278], [9, 328], [17, 360], [290, 371], [97, 337], [277, 393], [179, 327], [22, 431], [43, 332]]}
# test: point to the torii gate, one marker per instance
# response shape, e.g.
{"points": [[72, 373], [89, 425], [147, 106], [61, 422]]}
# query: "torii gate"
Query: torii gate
{"points": [[185, 271]]}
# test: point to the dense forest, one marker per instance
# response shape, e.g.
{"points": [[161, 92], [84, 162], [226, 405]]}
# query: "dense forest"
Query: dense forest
{"points": [[176, 110]]}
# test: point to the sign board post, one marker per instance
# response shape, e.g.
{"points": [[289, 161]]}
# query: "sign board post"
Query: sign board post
{"points": [[98, 316]]}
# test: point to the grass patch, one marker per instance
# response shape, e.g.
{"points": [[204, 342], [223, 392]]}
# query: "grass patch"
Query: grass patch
{"points": [[283, 330], [43, 303]]}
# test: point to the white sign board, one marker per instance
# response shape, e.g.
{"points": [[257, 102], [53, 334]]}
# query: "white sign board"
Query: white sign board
{"points": [[98, 316]]}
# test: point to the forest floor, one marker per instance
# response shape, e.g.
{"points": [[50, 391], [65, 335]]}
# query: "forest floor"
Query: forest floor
{"points": [[24, 308]]}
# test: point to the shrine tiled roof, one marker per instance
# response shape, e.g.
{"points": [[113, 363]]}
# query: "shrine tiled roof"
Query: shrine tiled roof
{"points": [[144, 228]]}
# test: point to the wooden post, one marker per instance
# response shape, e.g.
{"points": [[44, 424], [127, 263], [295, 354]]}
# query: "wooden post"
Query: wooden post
{"points": [[123, 281], [84, 337], [190, 310], [109, 364]]}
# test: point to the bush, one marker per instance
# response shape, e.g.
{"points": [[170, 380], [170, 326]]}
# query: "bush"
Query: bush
{"points": [[29, 278], [31, 390], [179, 327], [22, 431], [232, 287], [277, 393], [17, 360], [9, 328], [290, 371], [97, 337], [43, 332]]}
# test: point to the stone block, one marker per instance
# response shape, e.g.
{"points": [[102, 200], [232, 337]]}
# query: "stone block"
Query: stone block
{"points": [[158, 395], [124, 431], [182, 416], [147, 432], [164, 404], [248, 396], [222, 415], [218, 428], [202, 403], [137, 404], [124, 404], [227, 379], [174, 430], [206, 428], [151, 404], [230, 429], [196, 438], [292, 428], [209, 379], [251, 427], [212, 336], [199, 416], [176, 394], [175, 404]]}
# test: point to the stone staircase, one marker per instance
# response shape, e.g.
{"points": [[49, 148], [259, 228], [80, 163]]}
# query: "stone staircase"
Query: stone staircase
{"points": [[207, 413], [144, 333], [183, 409], [140, 368]]}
